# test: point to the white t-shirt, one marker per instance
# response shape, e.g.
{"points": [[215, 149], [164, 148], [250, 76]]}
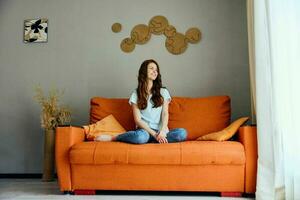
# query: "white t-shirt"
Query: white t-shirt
{"points": [[152, 116]]}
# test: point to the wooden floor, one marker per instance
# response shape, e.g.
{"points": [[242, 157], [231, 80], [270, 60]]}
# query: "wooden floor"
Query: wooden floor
{"points": [[35, 189]]}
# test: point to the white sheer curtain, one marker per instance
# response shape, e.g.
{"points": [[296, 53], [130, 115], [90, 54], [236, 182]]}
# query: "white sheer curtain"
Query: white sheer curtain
{"points": [[251, 45], [277, 60]]}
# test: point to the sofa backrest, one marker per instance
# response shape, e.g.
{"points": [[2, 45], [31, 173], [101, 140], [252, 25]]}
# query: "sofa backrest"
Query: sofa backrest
{"points": [[199, 116]]}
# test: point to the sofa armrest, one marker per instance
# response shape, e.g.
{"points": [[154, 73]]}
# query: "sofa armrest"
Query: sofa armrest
{"points": [[66, 137], [247, 135]]}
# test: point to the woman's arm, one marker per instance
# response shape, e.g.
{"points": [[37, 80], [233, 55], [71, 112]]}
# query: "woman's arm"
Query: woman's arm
{"points": [[139, 122], [165, 119]]}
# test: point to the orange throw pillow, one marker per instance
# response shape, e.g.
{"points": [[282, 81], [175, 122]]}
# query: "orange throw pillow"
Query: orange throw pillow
{"points": [[226, 133], [108, 126]]}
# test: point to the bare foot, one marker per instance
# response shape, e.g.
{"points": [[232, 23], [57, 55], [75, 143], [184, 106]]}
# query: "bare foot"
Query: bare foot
{"points": [[114, 138]]}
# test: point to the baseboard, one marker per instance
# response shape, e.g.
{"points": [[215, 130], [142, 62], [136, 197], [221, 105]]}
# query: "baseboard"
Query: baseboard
{"points": [[21, 176]]}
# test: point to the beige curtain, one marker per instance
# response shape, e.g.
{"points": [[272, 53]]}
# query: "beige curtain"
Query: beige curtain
{"points": [[251, 45]]}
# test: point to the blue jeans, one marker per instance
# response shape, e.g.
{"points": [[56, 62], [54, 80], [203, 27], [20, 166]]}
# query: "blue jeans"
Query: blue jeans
{"points": [[141, 136]]}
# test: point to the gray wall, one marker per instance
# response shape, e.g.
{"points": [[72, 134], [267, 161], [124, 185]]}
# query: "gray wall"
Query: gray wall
{"points": [[83, 57]]}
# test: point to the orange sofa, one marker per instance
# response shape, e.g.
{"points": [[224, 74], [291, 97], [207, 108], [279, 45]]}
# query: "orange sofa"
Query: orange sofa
{"points": [[210, 166]]}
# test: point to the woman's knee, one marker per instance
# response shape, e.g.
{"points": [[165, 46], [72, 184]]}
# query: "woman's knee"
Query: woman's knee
{"points": [[141, 137], [180, 134]]}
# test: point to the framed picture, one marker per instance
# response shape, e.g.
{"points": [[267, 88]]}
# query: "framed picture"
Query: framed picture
{"points": [[35, 30]]}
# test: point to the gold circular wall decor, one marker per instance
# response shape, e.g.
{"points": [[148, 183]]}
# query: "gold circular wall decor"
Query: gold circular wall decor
{"points": [[116, 27], [127, 45], [157, 24], [140, 34], [193, 35], [176, 44], [170, 31]]}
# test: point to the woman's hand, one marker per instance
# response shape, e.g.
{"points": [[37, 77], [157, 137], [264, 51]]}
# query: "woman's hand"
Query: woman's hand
{"points": [[161, 139], [163, 131], [162, 134]]}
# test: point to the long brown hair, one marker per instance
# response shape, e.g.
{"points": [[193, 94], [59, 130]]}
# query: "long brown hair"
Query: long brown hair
{"points": [[142, 94]]}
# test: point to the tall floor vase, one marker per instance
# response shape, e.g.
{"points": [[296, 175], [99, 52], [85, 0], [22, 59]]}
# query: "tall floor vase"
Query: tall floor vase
{"points": [[49, 145]]}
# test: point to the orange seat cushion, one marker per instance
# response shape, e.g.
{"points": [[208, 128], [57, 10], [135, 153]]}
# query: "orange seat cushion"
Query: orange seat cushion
{"points": [[199, 116], [184, 153], [212, 152]]}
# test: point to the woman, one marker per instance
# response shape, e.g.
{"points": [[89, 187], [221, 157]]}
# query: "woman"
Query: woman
{"points": [[150, 102]]}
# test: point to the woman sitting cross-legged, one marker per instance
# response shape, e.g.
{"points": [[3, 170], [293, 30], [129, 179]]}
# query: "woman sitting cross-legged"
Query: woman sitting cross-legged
{"points": [[150, 103]]}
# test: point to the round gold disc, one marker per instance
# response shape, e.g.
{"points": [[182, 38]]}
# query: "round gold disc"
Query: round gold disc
{"points": [[127, 45], [116, 27], [176, 44], [158, 24], [193, 35], [140, 34]]}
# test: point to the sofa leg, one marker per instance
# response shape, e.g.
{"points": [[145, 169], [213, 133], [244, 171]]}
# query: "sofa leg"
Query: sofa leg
{"points": [[84, 192], [67, 192], [231, 194]]}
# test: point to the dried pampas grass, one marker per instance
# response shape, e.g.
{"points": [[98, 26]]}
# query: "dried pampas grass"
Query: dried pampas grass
{"points": [[53, 114]]}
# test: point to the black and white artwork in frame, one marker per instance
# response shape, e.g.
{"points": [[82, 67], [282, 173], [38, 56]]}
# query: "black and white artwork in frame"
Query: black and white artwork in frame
{"points": [[36, 30]]}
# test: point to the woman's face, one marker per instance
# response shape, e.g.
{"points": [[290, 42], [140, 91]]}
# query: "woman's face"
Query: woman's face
{"points": [[152, 71]]}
